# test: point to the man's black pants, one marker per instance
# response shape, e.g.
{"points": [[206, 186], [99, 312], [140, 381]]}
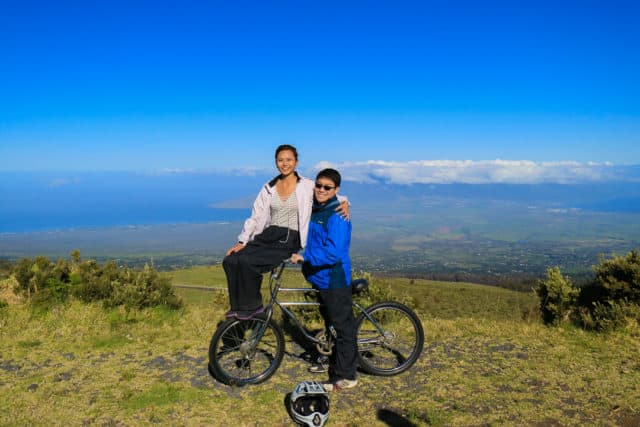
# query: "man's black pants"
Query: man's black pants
{"points": [[337, 312]]}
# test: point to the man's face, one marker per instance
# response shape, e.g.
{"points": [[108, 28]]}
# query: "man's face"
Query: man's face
{"points": [[325, 189]]}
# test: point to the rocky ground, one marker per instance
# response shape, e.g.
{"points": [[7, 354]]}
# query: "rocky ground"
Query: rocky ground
{"points": [[458, 381]]}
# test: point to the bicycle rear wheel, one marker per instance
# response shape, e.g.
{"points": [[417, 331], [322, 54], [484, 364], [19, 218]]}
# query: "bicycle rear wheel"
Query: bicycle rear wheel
{"points": [[238, 355], [392, 342]]}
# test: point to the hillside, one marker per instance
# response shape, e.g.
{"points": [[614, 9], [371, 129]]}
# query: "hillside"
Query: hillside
{"points": [[487, 360], [489, 233]]}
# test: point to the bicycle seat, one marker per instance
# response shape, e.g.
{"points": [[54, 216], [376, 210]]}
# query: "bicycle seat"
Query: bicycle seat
{"points": [[359, 285]]}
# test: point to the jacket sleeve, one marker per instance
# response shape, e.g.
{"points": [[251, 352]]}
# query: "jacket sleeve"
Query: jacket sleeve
{"points": [[254, 224], [335, 245]]}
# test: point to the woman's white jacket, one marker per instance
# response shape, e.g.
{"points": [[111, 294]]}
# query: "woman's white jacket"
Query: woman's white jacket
{"points": [[261, 211]]}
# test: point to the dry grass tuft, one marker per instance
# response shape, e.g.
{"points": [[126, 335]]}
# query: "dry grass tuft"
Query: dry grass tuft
{"points": [[7, 291]]}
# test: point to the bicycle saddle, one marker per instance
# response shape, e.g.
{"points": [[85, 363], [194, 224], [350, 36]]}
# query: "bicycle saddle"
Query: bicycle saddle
{"points": [[359, 285]]}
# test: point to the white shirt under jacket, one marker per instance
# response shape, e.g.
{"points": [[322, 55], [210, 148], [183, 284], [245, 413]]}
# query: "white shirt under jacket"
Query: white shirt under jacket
{"points": [[261, 211]]}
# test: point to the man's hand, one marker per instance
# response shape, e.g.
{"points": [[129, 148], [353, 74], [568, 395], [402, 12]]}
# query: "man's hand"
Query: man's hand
{"points": [[296, 259], [236, 248]]}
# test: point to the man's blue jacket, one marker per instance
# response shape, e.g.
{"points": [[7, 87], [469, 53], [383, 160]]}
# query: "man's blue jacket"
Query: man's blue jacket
{"points": [[326, 257]]}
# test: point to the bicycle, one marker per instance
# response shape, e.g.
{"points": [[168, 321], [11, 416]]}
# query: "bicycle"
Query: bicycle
{"points": [[389, 337]]}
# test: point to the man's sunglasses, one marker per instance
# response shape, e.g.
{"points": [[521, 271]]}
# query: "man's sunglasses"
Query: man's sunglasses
{"points": [[325, 187]]}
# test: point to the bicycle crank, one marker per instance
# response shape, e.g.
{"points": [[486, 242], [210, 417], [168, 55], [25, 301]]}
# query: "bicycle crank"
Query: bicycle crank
{"points": [[324, 344]]}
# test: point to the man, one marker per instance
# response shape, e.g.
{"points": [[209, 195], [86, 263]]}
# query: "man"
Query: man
{"points": [[326, 265]]}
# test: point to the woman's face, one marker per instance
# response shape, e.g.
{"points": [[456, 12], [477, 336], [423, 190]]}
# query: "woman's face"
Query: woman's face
{"points": [[286, 162]]}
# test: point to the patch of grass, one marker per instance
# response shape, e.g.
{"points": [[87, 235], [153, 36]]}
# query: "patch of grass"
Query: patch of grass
{"points": [[451, 300], [108, 342], [202, 275], [160, 394], [29, 343], [194, 297]]}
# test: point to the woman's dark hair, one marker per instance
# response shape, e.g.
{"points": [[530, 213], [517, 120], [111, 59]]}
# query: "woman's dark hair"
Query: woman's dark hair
{"points": [[284, 147], [331, 174]]}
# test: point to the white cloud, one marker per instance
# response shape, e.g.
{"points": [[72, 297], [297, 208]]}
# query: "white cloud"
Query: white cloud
{"points": [[482, 172], [237, 171], [451, 171]]}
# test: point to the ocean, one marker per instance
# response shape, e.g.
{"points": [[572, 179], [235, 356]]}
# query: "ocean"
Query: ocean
{"points": [[54, 201]]}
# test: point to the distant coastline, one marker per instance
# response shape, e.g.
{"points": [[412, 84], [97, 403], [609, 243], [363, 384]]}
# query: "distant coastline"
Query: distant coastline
{"points": [[43, 221]]}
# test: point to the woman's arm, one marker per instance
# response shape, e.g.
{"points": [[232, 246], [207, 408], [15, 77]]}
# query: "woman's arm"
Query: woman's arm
{"points": [[254, 224], [343, 208]]}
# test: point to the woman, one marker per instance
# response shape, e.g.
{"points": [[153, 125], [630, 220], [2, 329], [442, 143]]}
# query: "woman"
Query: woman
{"points": [[277, 228]]}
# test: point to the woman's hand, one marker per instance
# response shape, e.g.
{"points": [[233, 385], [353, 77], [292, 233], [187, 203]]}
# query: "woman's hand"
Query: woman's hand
{"points": [[343, 210], [236, 248], [296, 259]]}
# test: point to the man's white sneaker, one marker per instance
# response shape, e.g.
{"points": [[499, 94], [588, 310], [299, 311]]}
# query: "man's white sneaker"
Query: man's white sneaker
{"points": [[340, 385]]}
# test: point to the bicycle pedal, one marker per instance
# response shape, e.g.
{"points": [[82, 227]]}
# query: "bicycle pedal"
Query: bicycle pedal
{"points": [[319, 368]]}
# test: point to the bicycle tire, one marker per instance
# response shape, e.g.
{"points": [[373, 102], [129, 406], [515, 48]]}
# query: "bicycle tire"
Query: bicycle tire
{"points": [[398, 348], [234, 360]]}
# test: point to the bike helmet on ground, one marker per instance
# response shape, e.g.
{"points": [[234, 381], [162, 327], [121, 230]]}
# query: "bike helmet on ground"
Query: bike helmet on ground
{"points": [[310, 404]]}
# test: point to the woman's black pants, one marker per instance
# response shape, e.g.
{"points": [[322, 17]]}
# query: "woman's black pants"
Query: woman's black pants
{"points": [[244, 268]]}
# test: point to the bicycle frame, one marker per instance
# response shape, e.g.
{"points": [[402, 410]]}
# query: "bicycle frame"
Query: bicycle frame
{"points": [[275, 286]]}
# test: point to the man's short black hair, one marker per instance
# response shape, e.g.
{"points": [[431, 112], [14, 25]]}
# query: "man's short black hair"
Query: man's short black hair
{"points": [[331, 174]]}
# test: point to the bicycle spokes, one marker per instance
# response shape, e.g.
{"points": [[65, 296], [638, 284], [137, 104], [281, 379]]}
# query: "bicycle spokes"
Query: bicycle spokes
{"points": [[244, 352], [390, 338]]}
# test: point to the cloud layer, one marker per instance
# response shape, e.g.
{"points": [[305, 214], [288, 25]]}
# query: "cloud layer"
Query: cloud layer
{"points": [[483, 172]]}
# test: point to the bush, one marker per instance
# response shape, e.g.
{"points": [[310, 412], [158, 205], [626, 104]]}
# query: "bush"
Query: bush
{"points": [[142, 289], [557, 297], [606, 304], [46, 283], [92, 282], [619, 277], [608, 316], [614, 296], [42, 281], [5, 268]]}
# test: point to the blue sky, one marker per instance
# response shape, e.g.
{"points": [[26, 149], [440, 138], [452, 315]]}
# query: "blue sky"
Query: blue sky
{"points": [[149, 86]]}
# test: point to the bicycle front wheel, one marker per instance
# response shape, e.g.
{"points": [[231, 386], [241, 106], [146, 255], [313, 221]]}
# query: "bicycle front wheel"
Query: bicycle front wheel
{"points": [[246, 351], [390, 338]]}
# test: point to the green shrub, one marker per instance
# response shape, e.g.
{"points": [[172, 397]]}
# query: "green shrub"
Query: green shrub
{"points": [[92, 282], [557, 297], [614, 296], [23, 274], [6, 267], [42, 281], [620, 277], [46, 283], [142, 289], [606, 304], [609, 316]]}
